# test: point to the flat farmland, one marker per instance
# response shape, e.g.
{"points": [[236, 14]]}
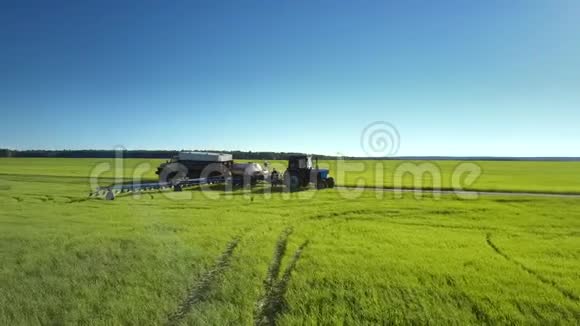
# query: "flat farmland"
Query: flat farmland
{"points": [[312, 257], [509, 176]]}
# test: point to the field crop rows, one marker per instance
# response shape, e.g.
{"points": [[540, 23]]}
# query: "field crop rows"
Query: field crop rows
{"points": [[306, 258]]}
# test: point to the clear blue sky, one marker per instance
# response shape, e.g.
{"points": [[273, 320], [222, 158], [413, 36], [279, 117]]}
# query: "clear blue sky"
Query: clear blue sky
{"points": [[455, 77]]}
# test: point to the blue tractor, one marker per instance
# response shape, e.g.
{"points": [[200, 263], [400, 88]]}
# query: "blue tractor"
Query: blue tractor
{"points": [[301, 173]]}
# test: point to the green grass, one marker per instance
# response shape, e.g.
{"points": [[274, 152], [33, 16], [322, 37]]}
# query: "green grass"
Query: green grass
{"points": [[369, 260], [558, 177], [551, 177]]}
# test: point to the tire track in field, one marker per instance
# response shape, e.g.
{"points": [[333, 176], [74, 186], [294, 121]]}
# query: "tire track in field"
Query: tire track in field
{"points": [[272, 303], [201, 290], [461, 297], [568, 294], [72, 200], [389, 218]]}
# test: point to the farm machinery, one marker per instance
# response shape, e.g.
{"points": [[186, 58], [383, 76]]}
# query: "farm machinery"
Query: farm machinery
{"points": [[301, 173], [189, 169], [195, 165]]}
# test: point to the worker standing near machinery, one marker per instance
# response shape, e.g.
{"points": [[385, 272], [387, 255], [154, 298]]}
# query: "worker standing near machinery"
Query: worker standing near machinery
{"points": [[275, 177]]}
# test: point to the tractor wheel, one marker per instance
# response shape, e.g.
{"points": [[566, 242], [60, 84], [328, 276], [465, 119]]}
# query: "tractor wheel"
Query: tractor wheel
{"points": [[172, 173], [110, 195], [330, 182], [291, 182], [217, 173], [321, 184], [294, 183]]}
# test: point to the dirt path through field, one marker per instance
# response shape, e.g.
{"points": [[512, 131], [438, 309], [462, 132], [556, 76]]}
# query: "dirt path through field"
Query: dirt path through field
{"points": [[472, 192]]}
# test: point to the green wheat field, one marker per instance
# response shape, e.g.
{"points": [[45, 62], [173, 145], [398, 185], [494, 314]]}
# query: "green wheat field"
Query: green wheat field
{"points": [[251, 257]]}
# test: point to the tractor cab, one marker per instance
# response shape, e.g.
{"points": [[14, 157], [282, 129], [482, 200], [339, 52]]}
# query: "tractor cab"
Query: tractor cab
{"points": [[300, 162]]}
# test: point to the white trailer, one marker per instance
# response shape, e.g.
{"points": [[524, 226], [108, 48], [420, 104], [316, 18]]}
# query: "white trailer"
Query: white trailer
{"points": [[204, 157]]}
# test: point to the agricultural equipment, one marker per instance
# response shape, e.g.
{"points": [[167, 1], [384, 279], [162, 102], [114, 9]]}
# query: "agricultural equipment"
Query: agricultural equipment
{"points": [[195, 165], [301, 173], [189, 169], [249, 172], [192, 165], [110, 192]]}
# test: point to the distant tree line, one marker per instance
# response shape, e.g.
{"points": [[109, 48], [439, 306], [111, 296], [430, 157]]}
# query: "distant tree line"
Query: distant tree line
{"points": [[249, 155], [162, 154]]}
